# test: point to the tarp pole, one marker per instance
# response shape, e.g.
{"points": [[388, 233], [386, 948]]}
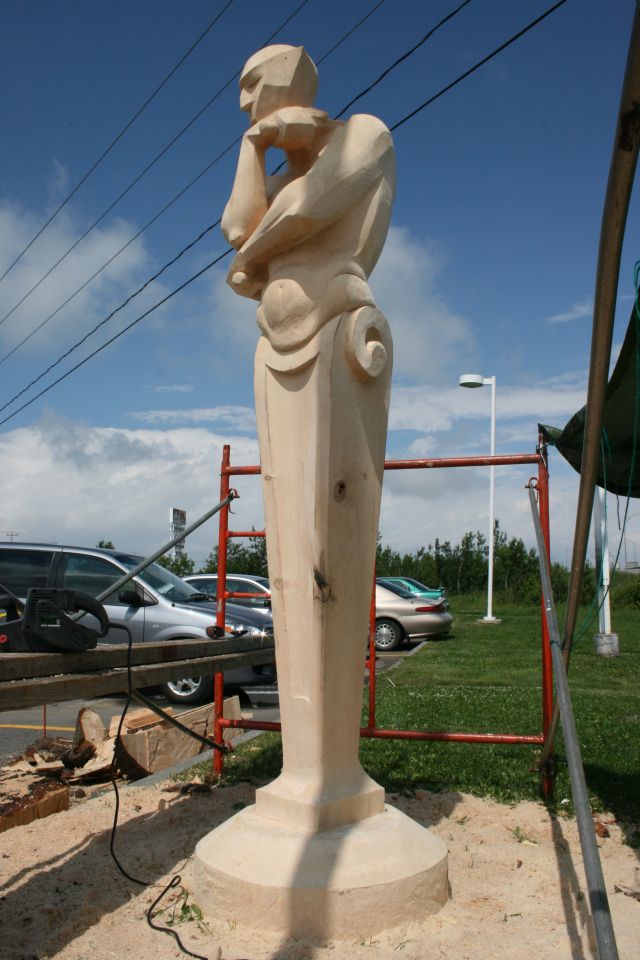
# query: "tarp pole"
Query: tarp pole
{"points": [[616, 206], [598, 900]]}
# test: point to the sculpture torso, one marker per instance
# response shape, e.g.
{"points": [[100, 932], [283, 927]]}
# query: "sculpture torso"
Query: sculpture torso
{"points": [[323, 224]]}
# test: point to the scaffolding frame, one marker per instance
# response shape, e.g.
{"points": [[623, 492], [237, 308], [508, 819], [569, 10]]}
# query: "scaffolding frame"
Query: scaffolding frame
{"points": [[541, 484]]}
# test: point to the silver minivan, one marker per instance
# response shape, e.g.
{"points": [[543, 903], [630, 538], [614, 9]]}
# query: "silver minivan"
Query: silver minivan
{"points": [[157, 605]]}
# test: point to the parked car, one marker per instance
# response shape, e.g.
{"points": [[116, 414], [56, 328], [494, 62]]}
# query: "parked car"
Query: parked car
{"points": [[156, 605], [402, 616], [413, 586], [235, 583]]}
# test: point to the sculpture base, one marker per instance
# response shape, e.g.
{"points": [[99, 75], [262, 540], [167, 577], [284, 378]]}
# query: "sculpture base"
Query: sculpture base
{"points": [[354, 880]]}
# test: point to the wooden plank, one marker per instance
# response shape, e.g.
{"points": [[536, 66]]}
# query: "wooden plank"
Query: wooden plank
{"points": [[16, 694], [31, 798], [22, 666]]}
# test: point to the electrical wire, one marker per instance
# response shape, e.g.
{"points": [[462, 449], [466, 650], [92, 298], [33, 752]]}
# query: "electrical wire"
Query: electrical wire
{"points": [[175, 880], [102, 322], [481, 63], [403, 57], [119, 136], [226, 253], [143, 172], [117, 335], [170, 203], [153, 219]]}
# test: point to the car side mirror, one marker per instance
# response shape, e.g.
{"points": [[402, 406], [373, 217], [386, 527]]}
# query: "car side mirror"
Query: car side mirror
{"points": [[267, 602], [131, 597]]}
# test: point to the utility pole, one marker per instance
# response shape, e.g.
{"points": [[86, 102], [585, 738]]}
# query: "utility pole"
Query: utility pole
{"points": [[11, 534]]}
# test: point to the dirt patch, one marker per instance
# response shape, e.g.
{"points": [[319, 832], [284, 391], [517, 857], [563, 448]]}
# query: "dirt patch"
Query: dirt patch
{"points": [[517, 884]]}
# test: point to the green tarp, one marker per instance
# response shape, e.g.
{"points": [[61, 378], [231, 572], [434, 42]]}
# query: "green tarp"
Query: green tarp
{"points": [[619, 468]]}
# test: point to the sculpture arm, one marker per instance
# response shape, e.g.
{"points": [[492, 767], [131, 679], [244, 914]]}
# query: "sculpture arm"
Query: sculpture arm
{"points": [[248, 202]]}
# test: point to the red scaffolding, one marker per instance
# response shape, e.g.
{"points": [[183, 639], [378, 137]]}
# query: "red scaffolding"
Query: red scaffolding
{"points": [[539, 458]]}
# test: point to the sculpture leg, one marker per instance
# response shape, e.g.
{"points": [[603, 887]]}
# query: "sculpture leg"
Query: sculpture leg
{"points": [[319, 854], [322, 423]]}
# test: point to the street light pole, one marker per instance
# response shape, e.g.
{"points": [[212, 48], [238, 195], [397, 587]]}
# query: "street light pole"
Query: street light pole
{"points": [[473, 380], [492, 485]]}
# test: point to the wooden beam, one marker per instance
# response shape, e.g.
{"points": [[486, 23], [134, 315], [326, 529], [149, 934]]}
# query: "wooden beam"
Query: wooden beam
{"points": [[16, 694], [22, 666]]}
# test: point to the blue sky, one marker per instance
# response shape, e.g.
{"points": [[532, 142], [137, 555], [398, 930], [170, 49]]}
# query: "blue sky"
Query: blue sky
{"points": [[489, 266]]}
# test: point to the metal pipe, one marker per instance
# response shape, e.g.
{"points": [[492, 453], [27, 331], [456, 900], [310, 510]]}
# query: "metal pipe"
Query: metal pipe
{"points": [[616, 205], [223, 536], [605, 937], [378, 733], [167, 546], [140, 698], [548, 777], [371, 661], [504, 460]]}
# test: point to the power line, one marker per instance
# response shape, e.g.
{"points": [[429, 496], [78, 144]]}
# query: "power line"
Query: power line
{"points": [[404, 56], [170, 203], [230, 250], [143, 172], [112, 314], [122, 248], [480, 63], [124, 330], [119, 136]]}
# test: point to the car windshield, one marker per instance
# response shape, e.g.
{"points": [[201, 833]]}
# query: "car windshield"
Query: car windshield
{"points": [[395, 588], [420, 587], [167, 584]]}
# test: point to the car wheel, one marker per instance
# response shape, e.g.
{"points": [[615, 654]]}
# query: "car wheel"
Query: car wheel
{"points": [[189, 690], [388, 635]]}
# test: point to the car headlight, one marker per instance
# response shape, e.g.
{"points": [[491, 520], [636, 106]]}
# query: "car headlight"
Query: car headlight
{"points": [[243, 630]]}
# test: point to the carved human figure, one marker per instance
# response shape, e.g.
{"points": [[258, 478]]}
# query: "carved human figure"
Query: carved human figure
{"points": [[307, 239]]}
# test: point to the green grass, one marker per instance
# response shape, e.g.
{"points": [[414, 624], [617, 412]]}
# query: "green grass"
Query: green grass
{"points": [[488, 679]]}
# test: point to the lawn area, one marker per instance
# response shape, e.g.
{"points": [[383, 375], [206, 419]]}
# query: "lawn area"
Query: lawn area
{"points": [[488, 679]]}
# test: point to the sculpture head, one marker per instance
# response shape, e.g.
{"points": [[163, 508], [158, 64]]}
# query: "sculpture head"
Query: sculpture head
{"points": [[275, 77]]}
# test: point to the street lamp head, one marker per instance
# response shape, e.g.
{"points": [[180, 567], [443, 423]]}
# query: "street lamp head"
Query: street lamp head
{"points": [[471, 380]]}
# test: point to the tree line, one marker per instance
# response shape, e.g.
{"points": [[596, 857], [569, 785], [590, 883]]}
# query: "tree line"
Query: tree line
{"points": [[460, 568]]}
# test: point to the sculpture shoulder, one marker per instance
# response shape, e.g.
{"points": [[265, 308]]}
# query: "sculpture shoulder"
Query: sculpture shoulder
{"points": [[364, 142], [371, 129]]}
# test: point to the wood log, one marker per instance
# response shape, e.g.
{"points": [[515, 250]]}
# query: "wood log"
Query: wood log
{"points": [[98, 767], [156, 746], [89, 734]]}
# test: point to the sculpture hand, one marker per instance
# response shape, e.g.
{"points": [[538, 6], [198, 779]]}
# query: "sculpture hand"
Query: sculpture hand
{"points": [[291, 128]]}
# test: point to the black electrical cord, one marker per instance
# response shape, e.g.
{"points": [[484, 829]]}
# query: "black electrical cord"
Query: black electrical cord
{"points": [[175, 880], [118, 137], [141, 174]]}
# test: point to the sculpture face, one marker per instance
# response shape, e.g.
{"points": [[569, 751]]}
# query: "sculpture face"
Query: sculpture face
{"points": [[275, 77]]}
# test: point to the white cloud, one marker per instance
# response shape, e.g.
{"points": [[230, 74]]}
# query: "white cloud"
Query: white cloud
{"points": [[432, 410], [237, 418], [427, 334], [77, 484], [172, 388], [17, 227], [576, 312]]}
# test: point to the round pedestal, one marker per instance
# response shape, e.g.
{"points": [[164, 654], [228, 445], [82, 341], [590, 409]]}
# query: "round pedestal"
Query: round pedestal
{"points": [[354, 880]]}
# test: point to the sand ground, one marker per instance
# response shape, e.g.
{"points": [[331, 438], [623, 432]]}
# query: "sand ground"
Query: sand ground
{"points": [[516, 879]]}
